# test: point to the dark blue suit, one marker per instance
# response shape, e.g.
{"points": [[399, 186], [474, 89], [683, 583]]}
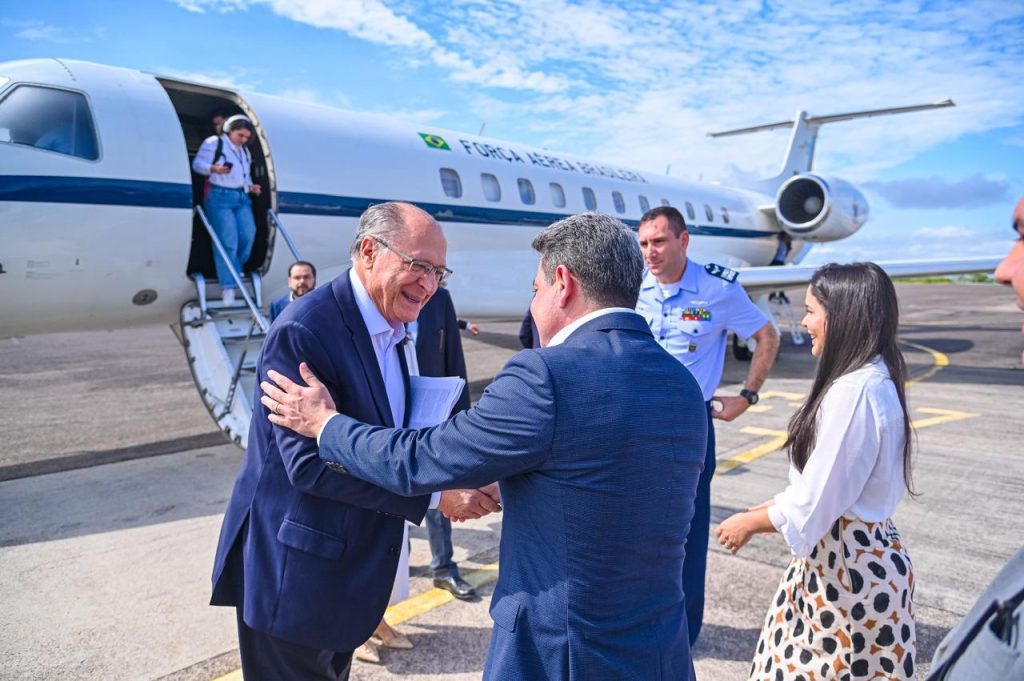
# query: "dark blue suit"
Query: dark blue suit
{"points": [[278, 306], [309, 556], [599, 443]]}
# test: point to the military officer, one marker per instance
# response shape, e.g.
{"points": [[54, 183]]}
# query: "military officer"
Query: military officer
{"points": [[690, 308]]}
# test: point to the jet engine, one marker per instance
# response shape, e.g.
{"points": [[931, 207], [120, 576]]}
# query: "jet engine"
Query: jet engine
{"points": [[820, 208]]}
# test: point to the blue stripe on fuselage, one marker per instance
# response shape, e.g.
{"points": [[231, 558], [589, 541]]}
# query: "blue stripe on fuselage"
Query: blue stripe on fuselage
{"points": [[94, 190], [297, 203], [118, 192]]}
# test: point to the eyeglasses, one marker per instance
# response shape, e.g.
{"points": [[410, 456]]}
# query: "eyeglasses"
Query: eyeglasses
{"points": [[420, 268]]}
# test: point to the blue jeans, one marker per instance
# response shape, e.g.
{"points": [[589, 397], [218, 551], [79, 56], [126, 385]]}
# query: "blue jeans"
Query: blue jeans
{"points": [[695, 563], [230, 214], [439, 536]]}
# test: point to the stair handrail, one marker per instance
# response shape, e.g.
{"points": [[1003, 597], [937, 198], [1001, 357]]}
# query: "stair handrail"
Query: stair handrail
{"points": [[257, 315], [284, 232]]}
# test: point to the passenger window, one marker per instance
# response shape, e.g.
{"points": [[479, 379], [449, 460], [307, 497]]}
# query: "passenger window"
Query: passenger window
{"points": [[644, 204], [451, 183], [492, 190], [710, 213], [690, 212], [725, 215], [589, 200], [50, 119], [665, 202], [526, 192], [557, 195], [620, 203]]}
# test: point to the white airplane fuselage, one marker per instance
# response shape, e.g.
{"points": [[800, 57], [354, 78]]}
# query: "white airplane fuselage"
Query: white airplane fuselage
{"points": [[105, 243]]}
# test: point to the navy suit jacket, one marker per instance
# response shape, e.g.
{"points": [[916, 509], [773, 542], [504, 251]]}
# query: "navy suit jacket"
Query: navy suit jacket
{"points": [[598, 443], [439, 344], [278, 306], [309, 555]]}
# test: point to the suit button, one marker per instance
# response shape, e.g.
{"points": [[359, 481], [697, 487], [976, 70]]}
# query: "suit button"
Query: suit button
{"points": [[394, 550]]}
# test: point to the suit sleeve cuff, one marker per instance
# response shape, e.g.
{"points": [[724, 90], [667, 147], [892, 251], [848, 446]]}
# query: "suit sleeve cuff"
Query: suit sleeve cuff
{"points": [[324, 427]]}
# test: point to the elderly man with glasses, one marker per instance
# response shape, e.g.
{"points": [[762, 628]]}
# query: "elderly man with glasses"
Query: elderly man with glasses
{"points": [[306, 556]]}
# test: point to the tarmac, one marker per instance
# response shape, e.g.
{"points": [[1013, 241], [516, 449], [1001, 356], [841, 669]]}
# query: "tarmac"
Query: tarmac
{"points": [[113, 481]]}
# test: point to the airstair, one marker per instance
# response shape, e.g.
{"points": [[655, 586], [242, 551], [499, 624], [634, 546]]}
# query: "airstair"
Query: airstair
{"points": [[223, 342], [779, 309]]}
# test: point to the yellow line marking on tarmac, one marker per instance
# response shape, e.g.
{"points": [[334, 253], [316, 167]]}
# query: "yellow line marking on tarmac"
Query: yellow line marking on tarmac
{"points": [[776, 393], [414, 606], [773, 445], [759, 408], [939, 362], [944, 416]]}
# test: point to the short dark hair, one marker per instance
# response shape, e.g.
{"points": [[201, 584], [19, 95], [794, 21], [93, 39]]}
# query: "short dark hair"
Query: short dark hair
{"points": [[601, 251], [308, 264], [670, 213]]}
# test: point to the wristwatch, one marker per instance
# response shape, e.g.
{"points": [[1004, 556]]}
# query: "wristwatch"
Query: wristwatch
{"points": [[750, 396]]}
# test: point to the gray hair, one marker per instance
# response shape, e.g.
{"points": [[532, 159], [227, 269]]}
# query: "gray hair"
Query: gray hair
{"points": [[601, 251], [384, 221]]}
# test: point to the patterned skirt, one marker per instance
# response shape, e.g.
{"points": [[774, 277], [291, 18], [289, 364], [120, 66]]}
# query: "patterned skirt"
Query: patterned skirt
{"points": [[844, 612]]}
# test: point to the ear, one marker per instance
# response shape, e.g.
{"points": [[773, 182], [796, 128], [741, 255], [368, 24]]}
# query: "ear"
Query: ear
{"points": [[684, 238], [367, 249], [566, 285]]}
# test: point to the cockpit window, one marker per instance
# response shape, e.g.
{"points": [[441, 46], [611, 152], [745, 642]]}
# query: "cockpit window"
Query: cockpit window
{"points": [[50, 119]]}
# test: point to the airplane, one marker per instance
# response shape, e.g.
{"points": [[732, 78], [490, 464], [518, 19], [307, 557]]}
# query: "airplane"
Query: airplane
{"points": [[100, 224]]}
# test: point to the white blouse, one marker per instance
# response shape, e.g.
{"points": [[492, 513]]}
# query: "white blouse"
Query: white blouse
{"points": [[856, 467]]}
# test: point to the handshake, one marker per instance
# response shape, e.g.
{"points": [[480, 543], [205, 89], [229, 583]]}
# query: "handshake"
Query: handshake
{"points": [[466, 504]]}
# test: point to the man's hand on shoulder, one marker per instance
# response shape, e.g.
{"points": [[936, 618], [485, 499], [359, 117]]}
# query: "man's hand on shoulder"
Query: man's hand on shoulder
{"points": [[302, 408], [466, 504]]}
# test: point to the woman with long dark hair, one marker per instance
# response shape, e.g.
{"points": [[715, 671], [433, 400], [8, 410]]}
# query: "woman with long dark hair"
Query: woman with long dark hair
{"points": [[845, 603]]}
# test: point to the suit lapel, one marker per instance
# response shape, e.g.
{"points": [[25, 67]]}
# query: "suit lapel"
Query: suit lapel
{"points": [[342, 288]]}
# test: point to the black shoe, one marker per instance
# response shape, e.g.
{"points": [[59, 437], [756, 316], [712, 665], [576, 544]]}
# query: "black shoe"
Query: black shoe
{"points": [[456, 586]]}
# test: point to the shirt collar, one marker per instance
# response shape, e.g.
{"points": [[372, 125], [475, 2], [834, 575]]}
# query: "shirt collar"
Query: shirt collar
{"points": [[689, 281], [376, 325], [567, 331]]}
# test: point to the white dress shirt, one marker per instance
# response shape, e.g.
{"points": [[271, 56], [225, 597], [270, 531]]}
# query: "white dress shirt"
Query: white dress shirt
{"points": [[239, 177], [566, 331], [385, 336], [856, 466]]}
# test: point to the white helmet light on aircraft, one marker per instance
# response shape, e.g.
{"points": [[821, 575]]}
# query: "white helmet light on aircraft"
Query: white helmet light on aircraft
{"points": [[816, 208]]}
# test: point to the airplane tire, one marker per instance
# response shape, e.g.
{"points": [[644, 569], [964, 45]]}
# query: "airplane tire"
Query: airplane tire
{"points": [[740, 350]]}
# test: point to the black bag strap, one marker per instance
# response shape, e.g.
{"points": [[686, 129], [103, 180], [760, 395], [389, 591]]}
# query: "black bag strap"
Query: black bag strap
{"points": [[220, 150]]}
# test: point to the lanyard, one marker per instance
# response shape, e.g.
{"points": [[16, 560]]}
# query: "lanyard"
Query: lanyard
{"points": [[243, 162]]}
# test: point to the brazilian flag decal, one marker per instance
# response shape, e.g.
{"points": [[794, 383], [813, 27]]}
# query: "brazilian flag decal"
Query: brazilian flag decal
{"points": [[435, 141]]}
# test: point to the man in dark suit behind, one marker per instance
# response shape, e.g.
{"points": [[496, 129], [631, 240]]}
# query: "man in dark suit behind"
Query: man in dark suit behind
{"points": [[598, 495], [301, 280], [306, 556], [439, 353]]}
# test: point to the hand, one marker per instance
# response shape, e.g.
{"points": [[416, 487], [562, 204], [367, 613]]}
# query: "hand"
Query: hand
{"points": [[220, 169], [473, 329], [466, 504], [734, 532], [255, 189], [731, 407], [493, 492], [763, 505], [303, 409]]}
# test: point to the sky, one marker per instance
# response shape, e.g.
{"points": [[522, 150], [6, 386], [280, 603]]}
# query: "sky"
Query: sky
{"points": [[630, 83]]}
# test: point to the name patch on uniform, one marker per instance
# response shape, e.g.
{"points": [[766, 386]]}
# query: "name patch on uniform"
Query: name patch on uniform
{"points": [[696, 314], [721, 272]]}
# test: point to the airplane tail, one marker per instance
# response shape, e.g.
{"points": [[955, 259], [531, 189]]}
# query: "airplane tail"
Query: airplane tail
{"points": [[800, 155]]}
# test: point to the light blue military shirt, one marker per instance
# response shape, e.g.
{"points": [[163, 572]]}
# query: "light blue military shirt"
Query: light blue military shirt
{"points": [[692, 317]]}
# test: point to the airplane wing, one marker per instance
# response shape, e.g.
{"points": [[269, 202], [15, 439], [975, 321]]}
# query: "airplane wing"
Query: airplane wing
{"points": [[758, 280]]}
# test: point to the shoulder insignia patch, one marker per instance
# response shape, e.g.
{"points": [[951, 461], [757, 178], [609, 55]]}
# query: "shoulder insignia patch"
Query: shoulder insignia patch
{"points": [[721, 272]]}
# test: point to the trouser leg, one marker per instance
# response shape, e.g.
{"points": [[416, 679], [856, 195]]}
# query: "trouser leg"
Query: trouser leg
{"points": [[439, 536], [246, 223], [220, 206], [695, 563], [268, 658]]}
